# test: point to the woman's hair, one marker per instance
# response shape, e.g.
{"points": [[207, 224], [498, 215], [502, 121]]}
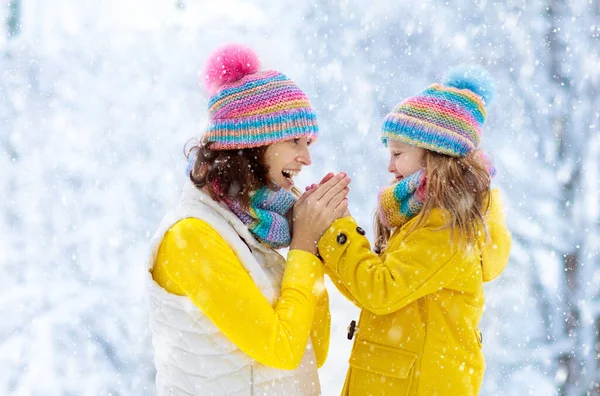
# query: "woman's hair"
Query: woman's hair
{"points": [[458, 185], [237, 173]]}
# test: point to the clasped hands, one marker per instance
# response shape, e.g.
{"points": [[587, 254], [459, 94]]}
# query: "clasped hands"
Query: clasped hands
{"points": [[315, 211]]}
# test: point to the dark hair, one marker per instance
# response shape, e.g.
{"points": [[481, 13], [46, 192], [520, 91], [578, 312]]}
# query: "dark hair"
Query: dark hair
{"points": [[236, 172]]}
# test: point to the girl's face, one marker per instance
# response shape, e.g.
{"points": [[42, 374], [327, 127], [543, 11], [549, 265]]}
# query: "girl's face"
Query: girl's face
{"points": [[404, 159], [286, 159]]}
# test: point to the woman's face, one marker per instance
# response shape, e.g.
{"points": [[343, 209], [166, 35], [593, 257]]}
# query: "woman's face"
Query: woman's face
{"points": [[286, 159], [404, 159]]}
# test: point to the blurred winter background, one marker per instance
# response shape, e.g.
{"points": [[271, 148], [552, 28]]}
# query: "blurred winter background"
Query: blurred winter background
{"points": [[97, 99]]}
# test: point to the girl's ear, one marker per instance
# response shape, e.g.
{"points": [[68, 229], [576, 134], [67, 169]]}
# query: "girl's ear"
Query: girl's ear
{"points": [[424, 159]]}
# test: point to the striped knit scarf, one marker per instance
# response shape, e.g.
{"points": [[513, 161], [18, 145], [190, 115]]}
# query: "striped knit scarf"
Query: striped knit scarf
{"points": [[402, 201], [267, 216]]}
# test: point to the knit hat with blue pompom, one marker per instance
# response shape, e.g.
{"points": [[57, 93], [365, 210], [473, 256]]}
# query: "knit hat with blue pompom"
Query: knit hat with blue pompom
{"points": [[446, 118]]}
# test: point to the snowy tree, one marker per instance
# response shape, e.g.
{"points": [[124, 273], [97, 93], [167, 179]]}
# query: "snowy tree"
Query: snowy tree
{"points": [[97, 101], [525, 46], [13, 21], [573, 57]]}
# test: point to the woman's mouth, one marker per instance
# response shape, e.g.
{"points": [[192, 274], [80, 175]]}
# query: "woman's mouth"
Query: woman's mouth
{"points": [[289, 174]]}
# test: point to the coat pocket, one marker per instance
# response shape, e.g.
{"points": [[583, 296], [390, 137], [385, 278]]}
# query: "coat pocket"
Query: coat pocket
{"points": [[380, 370]]}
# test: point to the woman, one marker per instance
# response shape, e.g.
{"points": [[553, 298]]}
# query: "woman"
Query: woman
{"points": [[230, 316]]}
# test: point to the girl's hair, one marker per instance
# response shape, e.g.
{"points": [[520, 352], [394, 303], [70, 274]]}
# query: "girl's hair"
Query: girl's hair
{"points": [[236, 172], [458, 185]]}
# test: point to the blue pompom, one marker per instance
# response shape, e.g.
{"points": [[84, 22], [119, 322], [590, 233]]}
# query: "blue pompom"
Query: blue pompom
{"points": [[474, 78]]}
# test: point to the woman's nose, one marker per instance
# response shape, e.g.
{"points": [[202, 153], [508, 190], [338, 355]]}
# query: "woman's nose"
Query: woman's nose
{"points": [[304, 157]]}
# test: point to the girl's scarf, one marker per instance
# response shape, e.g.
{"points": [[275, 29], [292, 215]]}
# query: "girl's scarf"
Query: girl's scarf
{"points": [[402, 201]]}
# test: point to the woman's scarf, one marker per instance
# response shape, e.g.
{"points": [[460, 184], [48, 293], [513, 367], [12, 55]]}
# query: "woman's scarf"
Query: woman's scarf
{"points": [[266, 218]]}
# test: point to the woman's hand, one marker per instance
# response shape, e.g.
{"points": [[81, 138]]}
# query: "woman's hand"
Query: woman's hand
{"points": [[316, 209], [325, 179]]}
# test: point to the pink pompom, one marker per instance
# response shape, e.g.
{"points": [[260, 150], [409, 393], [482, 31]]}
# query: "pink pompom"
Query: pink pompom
{"points": [[229, 64]]}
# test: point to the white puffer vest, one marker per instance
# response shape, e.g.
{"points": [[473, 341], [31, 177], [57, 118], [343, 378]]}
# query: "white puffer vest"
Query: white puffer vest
{"points": [[192, 356]]}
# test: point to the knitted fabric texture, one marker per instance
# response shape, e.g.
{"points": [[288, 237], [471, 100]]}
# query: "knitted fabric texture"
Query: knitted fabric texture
{"points": [[400, 202], [444, 118], [258, 108], [267, 216]]}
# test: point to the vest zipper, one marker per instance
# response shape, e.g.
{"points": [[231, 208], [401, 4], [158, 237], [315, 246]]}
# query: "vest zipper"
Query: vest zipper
{"points": [[251, 379]]}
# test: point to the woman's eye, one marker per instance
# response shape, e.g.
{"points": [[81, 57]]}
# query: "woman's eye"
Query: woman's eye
{"points": [[397, 154], [296, 140]]}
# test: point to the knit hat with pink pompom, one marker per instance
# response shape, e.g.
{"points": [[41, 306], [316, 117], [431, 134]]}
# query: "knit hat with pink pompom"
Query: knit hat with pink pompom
{"points": [[252, 108]]}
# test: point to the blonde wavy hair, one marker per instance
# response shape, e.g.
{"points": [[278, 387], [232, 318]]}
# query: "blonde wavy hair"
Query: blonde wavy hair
{"points": [[460, 186]]}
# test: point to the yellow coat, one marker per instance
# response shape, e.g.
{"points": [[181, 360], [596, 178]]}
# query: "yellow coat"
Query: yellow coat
{"points": [[195, 261], [421, 303]]}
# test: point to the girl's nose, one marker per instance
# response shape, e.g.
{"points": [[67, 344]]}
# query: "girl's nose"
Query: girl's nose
{"points": [[391, 166]]}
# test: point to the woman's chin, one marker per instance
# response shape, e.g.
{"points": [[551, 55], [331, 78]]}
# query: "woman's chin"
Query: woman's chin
{"points": [[287, 185], [284, 183]]}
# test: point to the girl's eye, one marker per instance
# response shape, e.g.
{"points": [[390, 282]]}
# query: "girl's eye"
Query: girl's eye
{"points": [[397, 154], [296, 140]]}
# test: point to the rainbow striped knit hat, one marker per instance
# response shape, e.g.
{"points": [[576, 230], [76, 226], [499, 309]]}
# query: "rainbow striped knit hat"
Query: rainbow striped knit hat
{"points": [[251, 108], [446, 118]]}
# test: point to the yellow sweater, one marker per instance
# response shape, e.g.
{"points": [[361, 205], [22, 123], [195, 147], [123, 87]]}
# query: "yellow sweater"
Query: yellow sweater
{"points": [[195, 261]]}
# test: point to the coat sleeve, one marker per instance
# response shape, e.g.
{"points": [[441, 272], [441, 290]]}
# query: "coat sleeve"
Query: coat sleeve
{"points": [[496, 250], [341, 286], [321, 330], [196, 261], [422, 264]]}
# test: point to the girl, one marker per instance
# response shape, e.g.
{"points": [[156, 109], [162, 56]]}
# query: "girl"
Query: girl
{"points": [[230, 316], [440, 235]]}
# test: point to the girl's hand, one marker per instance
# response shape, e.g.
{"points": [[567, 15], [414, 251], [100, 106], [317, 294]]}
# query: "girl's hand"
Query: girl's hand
{"points": [[316, 210]]}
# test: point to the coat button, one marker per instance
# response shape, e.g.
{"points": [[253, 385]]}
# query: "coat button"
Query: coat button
{"points": [[341, 239], [351, 329], [360, 231]]}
